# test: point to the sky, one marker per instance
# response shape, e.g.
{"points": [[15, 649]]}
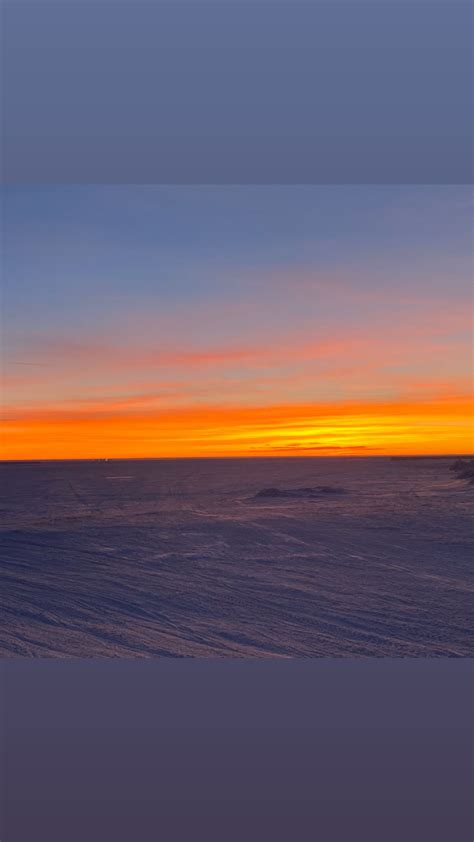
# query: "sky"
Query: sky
{"points": [[163, 321]]}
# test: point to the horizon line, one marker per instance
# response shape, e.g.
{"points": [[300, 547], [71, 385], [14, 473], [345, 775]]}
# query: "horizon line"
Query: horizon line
{"points": [[399, 456]]}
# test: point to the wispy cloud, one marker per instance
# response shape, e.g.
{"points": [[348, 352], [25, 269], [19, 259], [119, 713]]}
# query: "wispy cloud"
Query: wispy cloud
{"points": [[341, 324], [433, 424]]}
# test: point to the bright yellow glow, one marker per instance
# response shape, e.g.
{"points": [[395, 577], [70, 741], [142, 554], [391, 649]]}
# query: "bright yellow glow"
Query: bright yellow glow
{"points": [[438, 426]]}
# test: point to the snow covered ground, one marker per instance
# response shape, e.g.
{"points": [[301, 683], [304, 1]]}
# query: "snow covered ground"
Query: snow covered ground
{"points": [[263, 557]]}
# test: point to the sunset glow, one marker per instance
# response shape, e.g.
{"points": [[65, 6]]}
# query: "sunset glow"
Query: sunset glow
{"points": [[143, 322], [340, 429]]}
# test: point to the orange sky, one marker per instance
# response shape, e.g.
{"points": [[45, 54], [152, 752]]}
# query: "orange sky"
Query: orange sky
{"points": [[442, 425], [226, 321]]}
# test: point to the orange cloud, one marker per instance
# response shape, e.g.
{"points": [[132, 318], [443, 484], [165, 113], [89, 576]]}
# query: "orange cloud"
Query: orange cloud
{"points": [[401, 386], [433, 425]]}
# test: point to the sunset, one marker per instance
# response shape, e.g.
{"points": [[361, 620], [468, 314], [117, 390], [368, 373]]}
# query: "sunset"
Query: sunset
{"points": [[113, 430], [237, 402], [144, 322], [236, 421]]}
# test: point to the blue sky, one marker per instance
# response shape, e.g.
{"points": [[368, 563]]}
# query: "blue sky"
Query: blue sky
{"points": [[81, 253], [126, 300]]}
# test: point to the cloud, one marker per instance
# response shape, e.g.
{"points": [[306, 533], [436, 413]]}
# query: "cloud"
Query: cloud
{"points": [[432, 424]]}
